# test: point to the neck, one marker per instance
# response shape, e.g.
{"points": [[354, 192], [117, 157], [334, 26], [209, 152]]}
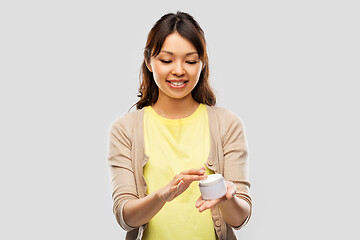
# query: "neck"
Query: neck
{"points": [[175, 108]]}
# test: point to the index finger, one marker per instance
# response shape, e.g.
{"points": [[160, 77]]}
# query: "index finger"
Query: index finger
{"points": [[194, 171], [192, 178]]}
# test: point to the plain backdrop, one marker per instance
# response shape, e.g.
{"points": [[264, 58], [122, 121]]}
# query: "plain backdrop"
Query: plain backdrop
{"points": [[288, 69]]}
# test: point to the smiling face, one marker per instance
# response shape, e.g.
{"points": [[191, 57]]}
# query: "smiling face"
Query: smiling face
{"points": [[176, 69]]}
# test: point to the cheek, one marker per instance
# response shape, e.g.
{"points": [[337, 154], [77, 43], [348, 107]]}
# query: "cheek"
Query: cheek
{"points": [[159, 73], [195, 72]]}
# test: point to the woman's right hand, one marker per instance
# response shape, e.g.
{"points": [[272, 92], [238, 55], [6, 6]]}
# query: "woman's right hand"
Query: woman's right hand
{"points": [[180, 183], [140, 211]]}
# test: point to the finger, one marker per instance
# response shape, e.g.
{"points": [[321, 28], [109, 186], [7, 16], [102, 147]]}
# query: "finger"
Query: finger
{"points": [[199, 202], [231, 190], [212, 203], [194, 171], [230, 194], [209, 204], [203, 206], [191, 178]]}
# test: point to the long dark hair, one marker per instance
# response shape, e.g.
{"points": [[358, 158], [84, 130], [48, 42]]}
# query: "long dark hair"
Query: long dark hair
{"points": [[187, 27]]}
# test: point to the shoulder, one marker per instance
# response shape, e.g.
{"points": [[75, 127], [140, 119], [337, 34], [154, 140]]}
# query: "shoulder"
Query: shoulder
{"points": [[225, 115], [226, 121], [125, 118], [126, 122]]}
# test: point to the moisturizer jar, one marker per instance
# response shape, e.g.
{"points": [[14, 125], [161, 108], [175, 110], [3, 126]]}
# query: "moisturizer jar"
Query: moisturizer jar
{"points": [[212, 187]]}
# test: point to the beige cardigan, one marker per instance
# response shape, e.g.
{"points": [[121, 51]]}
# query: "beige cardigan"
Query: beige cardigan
{"points": [[228, 156]]}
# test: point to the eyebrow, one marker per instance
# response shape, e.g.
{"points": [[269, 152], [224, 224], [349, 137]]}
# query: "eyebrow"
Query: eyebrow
{"points": [[171, 53]]}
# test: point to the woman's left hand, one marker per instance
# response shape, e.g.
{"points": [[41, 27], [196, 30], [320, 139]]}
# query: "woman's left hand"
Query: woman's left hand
{"points": [[202, 204]]}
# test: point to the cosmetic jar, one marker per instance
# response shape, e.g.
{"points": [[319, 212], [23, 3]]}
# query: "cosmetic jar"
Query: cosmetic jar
{"points": [[212, 187]]}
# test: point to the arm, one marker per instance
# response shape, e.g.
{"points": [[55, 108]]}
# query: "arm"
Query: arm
{"points": [[235, 210], [121, 172], [130, 210]]}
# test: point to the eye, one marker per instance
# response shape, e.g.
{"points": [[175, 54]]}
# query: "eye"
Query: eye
{"points": [[191, 62], [165, 61]]}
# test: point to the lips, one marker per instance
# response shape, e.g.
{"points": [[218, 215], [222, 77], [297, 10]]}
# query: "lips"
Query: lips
{"points": [[177, 83]]}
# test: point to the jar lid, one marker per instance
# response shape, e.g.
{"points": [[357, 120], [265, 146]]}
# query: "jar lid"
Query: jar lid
{"points": [[211, 180]]}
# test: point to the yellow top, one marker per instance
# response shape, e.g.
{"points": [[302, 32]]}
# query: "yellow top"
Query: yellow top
{"points": [[175, 145]]}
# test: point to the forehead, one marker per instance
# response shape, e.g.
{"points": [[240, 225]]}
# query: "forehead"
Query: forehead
{"points": [[177, 45]]}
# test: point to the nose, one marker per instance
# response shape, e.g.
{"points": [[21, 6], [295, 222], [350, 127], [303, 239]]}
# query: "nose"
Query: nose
{"points": [[178, 69]]}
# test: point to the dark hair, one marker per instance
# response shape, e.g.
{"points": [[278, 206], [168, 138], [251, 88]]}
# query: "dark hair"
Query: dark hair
{"points": [[187, 27]]}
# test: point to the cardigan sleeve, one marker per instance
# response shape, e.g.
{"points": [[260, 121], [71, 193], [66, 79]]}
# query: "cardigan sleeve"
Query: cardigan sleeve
{"points": [[236, 165], [121, 171]]}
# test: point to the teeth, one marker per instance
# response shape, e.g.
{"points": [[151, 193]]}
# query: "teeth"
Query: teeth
{"points": [[177, 83]]}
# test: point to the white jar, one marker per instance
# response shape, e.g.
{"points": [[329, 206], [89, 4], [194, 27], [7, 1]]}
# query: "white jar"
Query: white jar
{"points": [[212, 187]]}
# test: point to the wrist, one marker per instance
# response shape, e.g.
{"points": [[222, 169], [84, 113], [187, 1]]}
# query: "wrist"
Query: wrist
{"points": [[160, 194]]}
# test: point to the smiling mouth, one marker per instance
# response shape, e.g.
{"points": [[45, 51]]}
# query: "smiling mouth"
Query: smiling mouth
{"points": [[177, 83]]}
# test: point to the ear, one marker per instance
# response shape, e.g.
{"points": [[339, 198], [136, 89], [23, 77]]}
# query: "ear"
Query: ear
{"points": [[148, 65]]}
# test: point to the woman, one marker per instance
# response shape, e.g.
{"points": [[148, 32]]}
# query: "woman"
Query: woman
{"points": [[175, 138]]}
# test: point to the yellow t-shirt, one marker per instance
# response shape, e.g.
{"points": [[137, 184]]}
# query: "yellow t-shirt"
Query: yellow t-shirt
{"points": [[175, 145]]}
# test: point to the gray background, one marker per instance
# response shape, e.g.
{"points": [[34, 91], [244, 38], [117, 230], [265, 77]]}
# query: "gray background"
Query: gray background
{"points": [[289, 69]]}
